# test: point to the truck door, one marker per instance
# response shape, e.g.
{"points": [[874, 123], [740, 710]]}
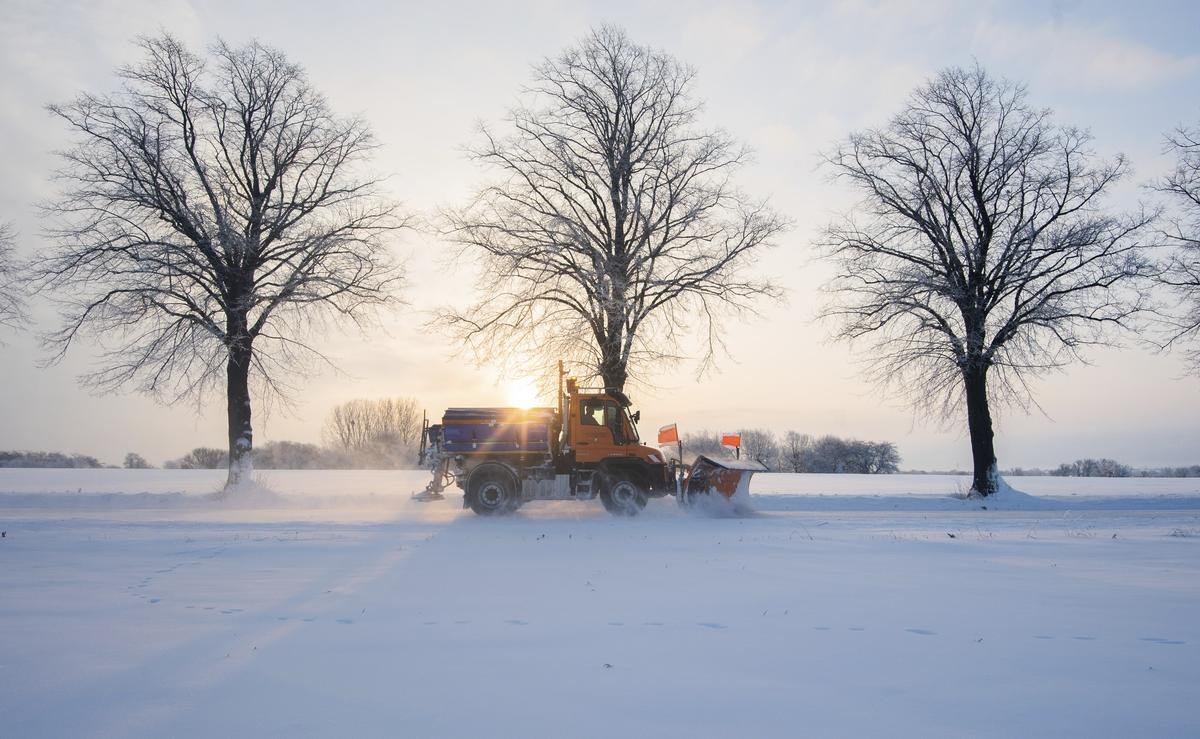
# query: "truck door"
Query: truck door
{"points": [[594, 429]]}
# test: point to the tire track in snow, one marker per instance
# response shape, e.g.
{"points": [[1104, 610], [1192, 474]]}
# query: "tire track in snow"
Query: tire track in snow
{"points": [[158, 690]]}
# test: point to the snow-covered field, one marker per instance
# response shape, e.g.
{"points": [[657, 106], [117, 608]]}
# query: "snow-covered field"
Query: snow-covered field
{"points": [[133, 605]]}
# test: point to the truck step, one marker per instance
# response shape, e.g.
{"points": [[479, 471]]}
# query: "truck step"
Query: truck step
{"points": [[584, 486]]}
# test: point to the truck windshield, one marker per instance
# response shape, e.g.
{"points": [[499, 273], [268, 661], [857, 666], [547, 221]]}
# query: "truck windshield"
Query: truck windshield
{"points": [[633, 432]]}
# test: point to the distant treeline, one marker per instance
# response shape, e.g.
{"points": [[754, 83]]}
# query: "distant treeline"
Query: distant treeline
{"points": [[359, 434], [1105, 468], [379, 434], [797, 452], [48, 459], [295, 455]]}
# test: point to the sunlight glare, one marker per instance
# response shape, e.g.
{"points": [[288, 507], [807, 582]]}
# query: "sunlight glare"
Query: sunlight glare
{"points": [[522, 393]]}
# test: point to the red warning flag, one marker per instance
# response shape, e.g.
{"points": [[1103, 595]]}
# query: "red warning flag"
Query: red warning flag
{"points": [[733, 441], [668, 434]]}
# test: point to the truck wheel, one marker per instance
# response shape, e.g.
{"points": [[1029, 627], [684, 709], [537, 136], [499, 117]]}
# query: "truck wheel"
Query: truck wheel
{"points": [[492, 492], [622, 496]]}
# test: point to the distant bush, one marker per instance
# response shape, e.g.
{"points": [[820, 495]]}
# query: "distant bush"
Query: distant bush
{"points": [[1022, 472], [135, 461], [48, 459], [1093, 468], [200, 458], [294, 455], [832, 454]]}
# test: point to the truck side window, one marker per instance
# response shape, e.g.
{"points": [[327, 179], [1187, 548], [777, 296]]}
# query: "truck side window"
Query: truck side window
{"points": [[591, 413], [604, 413]]}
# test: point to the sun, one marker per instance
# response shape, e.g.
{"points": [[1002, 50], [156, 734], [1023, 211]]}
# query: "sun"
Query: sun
{"points": [[522, 393]]}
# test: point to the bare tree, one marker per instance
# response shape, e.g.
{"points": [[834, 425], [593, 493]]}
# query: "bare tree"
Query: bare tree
{"points": [[704, 442], [12, 298], [375, 432], [981, 254], [758, 445], [612, 229], [211, 221], [803, 453], [795, 450], [1182, 274], [882, 458], [762, 446], [1093, 468]]}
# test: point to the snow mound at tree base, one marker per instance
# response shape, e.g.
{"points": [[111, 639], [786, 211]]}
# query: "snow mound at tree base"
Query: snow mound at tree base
{"points": [[252, 493], [1006, 498]]}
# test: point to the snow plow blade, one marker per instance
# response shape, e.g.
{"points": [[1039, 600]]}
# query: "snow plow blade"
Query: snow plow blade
{"points": [[712, 481]]}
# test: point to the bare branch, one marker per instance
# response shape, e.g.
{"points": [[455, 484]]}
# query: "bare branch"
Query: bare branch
{"points": [[980, 246], [211, 220], [611, 229], [1182, 273], [12, 289]]}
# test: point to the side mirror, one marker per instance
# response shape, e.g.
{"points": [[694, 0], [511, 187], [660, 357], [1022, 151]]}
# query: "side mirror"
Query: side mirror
{"points": [[637, 416]]}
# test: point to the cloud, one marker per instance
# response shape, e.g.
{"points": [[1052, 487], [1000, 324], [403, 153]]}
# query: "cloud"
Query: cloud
{"points": [[729, 30], [49, 52], [1080, 56]]}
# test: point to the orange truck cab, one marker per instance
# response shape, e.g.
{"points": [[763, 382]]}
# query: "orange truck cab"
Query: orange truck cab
{"points": [[601, 428]]}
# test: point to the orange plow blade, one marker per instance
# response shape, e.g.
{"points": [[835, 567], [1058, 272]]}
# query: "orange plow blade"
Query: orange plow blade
{"points": [[724, 484]]}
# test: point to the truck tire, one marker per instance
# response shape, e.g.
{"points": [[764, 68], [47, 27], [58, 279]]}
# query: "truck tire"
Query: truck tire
{"points": [[622, 495], [492, 491]]}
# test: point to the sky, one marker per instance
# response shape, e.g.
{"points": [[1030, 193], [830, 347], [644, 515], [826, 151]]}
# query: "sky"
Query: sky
{"points": [[788, 79]]}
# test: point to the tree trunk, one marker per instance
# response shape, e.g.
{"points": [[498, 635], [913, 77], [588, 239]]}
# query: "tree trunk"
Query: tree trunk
{"points": [[979, 421], [614, 372], [241, 437]]}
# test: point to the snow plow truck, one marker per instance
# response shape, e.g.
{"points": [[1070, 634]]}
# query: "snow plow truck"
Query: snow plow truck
{"points": [[587, 447]]}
